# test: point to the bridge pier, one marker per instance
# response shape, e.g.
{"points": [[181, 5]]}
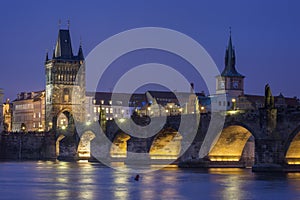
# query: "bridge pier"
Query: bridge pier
{"points": [[137, 146], [269, 155]]}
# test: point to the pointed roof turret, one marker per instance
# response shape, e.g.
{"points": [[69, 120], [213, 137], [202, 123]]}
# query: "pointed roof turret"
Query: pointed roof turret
{"points": [[63, 48], [229, 69], [53, 54], [80, 53], [47, 58]]}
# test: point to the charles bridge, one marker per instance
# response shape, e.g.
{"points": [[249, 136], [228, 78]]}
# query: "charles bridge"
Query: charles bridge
{"points": [[265, 139]]}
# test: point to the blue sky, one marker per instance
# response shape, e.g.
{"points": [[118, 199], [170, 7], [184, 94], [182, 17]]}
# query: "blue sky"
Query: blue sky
{"points": [[265, 35]]}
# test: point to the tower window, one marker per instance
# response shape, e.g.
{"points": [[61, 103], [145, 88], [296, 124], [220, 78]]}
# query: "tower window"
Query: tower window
{"points": [[66, 95]]}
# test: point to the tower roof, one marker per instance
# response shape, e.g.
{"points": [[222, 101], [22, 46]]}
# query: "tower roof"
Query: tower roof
{"points": [[229, 69], [80, 53], [63, 48]]}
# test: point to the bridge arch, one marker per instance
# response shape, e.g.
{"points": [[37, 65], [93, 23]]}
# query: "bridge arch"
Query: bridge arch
{"points": [[118, 148], [57, 145], [235, 143], [84, 146], [166, 144], [63, 120], [292, 147]]}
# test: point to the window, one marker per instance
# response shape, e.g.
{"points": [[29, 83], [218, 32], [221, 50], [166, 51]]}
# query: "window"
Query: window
{"points": [[66, 95]]}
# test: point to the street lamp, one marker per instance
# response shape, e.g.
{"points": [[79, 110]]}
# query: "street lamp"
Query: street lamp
{"points": [[233, 104]]}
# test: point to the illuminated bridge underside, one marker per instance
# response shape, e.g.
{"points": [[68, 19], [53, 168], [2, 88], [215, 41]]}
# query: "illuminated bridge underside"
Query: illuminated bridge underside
{"points": [[166, 145], [58, 144], [84, 147], [293, 153], [119, 146], [230, 144]]}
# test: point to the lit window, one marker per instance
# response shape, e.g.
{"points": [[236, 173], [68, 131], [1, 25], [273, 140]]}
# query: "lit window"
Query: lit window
{"points": [[111, 110], [39, 115], [33, 115], [106, 109], [94, 101], [110, 102], [98, 109], [95, 109], [102, 101]]}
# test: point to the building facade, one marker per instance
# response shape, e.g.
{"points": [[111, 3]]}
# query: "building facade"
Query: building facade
{"points": [[118, 107], [28, 112], [1, 110], [7, 116]]}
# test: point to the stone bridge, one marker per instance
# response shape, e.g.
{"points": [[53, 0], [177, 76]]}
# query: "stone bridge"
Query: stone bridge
{"points": [[265, 139]]}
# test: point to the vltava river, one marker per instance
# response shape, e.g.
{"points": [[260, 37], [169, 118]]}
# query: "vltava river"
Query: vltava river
{"points": [[65, 180]]}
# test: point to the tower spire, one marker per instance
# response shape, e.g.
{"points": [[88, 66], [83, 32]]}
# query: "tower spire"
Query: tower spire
{"points": [[68, 23], [229, 69], [47, 58], [59, 24]]}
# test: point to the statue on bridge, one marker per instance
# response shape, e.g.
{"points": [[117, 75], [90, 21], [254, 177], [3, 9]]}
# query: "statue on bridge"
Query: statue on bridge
{"points": [[269, 99]]}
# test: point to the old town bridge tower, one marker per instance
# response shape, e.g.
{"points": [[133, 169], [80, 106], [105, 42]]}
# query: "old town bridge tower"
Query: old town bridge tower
{"points": [[231, 82], [65, 84]]}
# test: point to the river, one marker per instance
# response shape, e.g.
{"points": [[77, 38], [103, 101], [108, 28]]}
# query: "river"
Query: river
{"points": [[67, 180]]}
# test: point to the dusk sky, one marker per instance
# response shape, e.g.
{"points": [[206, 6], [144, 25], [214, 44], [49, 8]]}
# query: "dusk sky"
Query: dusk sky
{"points": [[266, 36]]}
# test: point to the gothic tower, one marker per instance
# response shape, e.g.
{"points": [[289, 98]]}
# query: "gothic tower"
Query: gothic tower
{"points": [[65, 84], [230, 82]]}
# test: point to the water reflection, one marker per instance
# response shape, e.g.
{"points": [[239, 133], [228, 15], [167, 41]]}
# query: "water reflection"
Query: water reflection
{"points": [[121, 180], [63, 180], [231, 182]]}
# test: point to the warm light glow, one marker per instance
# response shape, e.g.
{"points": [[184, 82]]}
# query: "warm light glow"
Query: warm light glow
{"points": [[119, 147], [149, 108], [202, 108], [166, 145], [58, 144], [63, 127], [233, 100], [230, 144], [82, 161], [88, 123], [293, 153], [84, 146], [218, 159], [293, 162], [122, 120], [233, 112]]}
